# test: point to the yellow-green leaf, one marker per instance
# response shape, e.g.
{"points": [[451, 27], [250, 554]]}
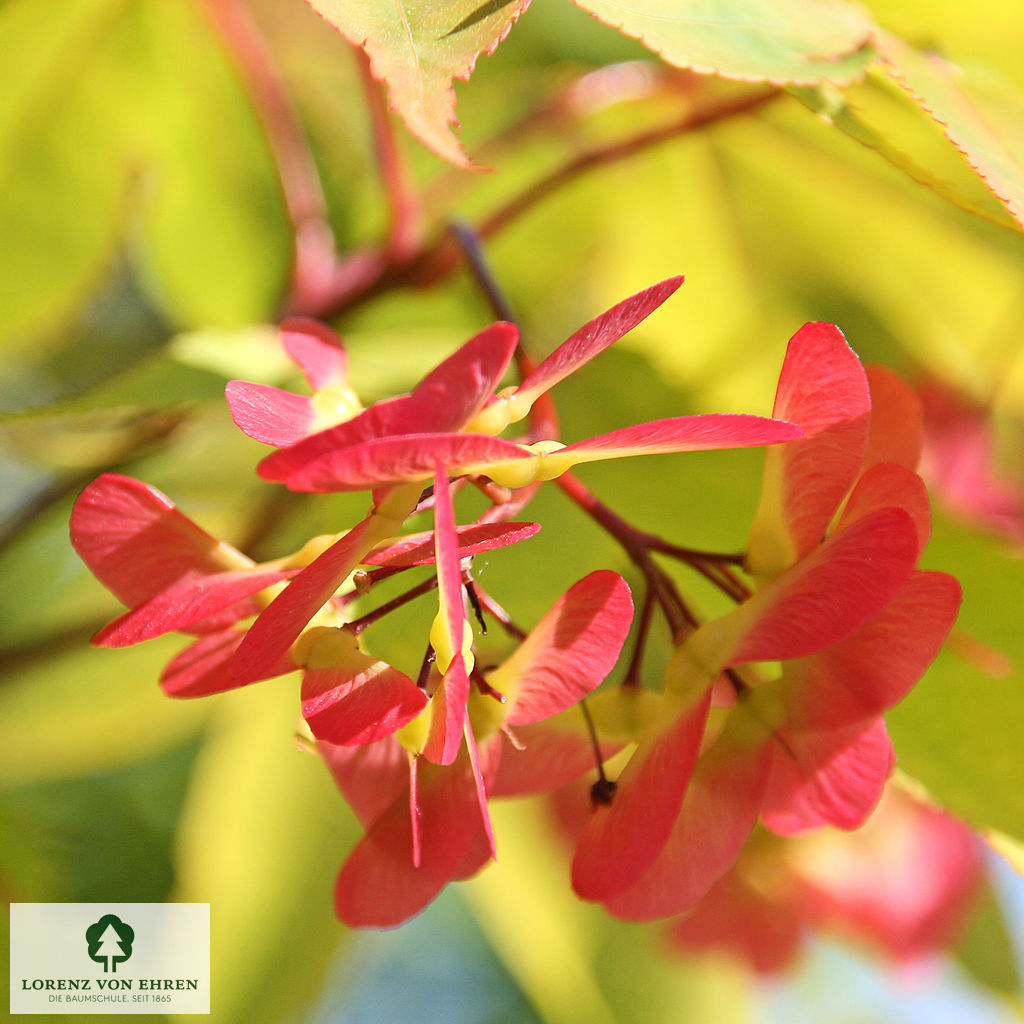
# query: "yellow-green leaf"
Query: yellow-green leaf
{"points": [[783, 41], [419, 48], [983, 117]]}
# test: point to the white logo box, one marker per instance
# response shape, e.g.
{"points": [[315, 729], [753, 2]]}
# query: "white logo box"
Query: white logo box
{"points": [[110, 958]]}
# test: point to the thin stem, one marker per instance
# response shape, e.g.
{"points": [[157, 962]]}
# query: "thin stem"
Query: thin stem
{"points": [[602, 792], [543, 418], [425, 664], [721, 578], [485, 687], [367, 579], [474, 602], [621, 150], [358, 625], [639, 543], [681, 621], [739, 589], [469, 240], [494, 493], [632, 676], [496, 612], [368, 274], [693, 554], [406, 228]]}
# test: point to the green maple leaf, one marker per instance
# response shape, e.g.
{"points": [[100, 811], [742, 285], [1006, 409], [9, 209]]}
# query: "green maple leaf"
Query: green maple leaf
{"points": [[419, 48], [795, 42], [980, 115]]}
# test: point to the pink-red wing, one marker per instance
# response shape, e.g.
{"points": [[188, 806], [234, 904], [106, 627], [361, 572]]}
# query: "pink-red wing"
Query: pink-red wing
{"points": [[594, 337], [135, 540]]}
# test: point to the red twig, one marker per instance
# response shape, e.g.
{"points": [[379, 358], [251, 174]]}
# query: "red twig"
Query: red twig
{"points": [[678, 616], [622, 150], [371, 274], [358, 625], [405, 233]]}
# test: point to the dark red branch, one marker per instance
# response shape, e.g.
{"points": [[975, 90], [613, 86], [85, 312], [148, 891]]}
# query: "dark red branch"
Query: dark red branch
{"points": [[622, 150], [369, 273], [358, 625]]}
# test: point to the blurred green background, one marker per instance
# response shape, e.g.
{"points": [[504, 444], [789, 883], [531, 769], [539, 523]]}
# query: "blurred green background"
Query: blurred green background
{"points": [[146, 252]]}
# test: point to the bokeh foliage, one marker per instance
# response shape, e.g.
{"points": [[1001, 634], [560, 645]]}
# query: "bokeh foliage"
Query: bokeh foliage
{"points": [[146, 250]]}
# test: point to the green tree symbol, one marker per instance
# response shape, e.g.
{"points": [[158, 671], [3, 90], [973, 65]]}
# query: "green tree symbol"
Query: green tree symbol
{"points": [[110, 942]]}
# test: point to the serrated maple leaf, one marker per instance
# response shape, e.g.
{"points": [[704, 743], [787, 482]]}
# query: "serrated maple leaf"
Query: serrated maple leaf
{"points": [[791, 42], [419, 48], [980, 115]]}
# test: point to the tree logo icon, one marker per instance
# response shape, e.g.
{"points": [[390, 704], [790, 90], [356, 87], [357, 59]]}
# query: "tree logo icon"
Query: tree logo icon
{"points": [[110, 942]]}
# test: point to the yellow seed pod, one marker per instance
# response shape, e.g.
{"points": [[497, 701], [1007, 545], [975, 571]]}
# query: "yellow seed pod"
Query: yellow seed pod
{"points": [[467, 646], [231, 558], [328, 647], [313, 549], [518, 406], [548, 468], [486, 714], [494, 417], [413, 735], [443, 648], [334, 405], [516, 473], [439, 641]]}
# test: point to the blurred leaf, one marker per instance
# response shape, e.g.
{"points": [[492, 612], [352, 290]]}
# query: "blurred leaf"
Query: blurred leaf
{"points": [[958, 733], [261, 837], [113, 330], [63, 175], [68, 710], [141, 109], [574, 963], [546, 938], [50, 589], [982, 116], [218, 244], [884, 118], [1011, 849], [94, 437], [648, 982], [247, 353], [418, 49], [986, 948], [807, 225], [795, 41], [95, 838], [435, 969]]}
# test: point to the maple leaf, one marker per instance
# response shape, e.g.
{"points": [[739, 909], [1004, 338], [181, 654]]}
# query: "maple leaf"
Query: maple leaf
{"points": [[980, 115], [418, 48], [796, 41]]}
